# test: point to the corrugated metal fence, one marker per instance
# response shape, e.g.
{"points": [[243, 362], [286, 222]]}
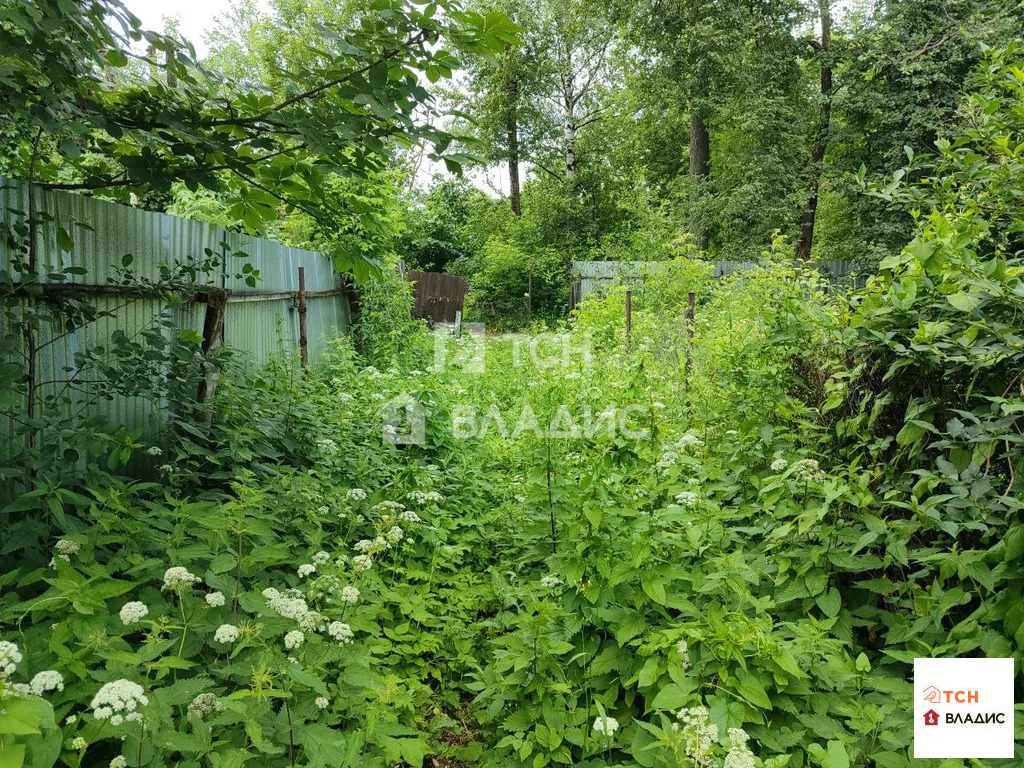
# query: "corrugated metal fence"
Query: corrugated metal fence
{"points": [[595, 276], [257, 322]]}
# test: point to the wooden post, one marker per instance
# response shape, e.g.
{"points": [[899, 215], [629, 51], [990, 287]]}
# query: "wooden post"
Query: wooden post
{"points": [[529, 298], [690, 299], [629, 316], [458, 323], [213, 337], [301, 301]]}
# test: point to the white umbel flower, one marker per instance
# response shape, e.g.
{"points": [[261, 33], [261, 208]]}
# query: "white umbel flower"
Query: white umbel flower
{"points": [[362, 563], [739, 754], [65, 549], [341, 632], [202, 705], [395, 534], [606, 726], [409, 517], [215, 599], [689, 440], [311, 621], [119, 762], [350, 595], [294, 639], [779, 465], [79, 743], [808, 471], [687, 499], [355, 494], [425, 497], [10, 657], [226, 633], [133, 612], [321, 557], [684, 651], [179, 578], [118, 701], [306, 569], [287, 605], [322, 703], [550, 582], [50, 680], [699, 732]]}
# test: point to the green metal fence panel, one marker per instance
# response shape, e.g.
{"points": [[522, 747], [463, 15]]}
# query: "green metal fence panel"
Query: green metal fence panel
{"points": [[260, 322], [596, 276]]}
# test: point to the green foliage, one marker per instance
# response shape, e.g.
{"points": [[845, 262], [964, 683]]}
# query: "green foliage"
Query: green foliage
{"points": [[715, 541], [510, 287], [83, 116], [437, 236]]}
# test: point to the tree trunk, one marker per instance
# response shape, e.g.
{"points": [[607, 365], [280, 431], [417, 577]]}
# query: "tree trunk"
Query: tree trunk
{"points": [[806, 238], [514, 189], [700, 169], [570, 150], [700, 139], [569, 138]]}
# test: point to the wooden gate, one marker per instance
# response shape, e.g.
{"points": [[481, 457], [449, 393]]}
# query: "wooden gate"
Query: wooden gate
{"points": [[438, 296]]}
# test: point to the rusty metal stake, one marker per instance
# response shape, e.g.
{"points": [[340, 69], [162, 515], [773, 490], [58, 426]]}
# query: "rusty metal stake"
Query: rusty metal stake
{"points": [[629, 317], [301, 301], [690, 299]]}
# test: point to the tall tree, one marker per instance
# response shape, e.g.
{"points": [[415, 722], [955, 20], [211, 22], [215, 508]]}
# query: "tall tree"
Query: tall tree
{"points": [[806, 235], [576, 40], [700, 137]]}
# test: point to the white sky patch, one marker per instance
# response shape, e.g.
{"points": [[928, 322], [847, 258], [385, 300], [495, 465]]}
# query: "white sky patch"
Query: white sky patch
{"points": [[195, 17]]}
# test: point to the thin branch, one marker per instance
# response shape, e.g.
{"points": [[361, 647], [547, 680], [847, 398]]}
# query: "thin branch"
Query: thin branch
{"points": [[419, 37]]}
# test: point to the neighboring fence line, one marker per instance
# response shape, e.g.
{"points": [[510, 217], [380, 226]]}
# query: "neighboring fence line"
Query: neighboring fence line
{"points": [[257, 322], [593, 276]]}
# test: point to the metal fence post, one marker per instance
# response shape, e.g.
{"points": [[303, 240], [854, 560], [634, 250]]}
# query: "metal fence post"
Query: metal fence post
{"points": [[301, 300], [629, 317], [690, 299]]}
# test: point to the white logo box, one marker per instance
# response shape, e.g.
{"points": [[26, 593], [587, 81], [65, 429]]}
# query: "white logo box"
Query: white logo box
{"points": [[970, 702]]}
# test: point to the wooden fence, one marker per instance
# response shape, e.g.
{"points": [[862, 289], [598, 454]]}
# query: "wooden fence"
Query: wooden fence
{"points": [[437, 296]]}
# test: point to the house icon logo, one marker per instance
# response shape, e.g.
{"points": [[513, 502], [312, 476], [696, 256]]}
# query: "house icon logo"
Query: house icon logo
{"points": [[931, 717], [932, 695]]}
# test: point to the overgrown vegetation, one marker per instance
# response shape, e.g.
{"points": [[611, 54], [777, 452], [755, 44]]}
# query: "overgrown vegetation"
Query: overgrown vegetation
{"points": [[708, 543]]}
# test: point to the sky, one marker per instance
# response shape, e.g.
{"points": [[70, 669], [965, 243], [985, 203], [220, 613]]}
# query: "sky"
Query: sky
{"points": [[195, 17]]}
